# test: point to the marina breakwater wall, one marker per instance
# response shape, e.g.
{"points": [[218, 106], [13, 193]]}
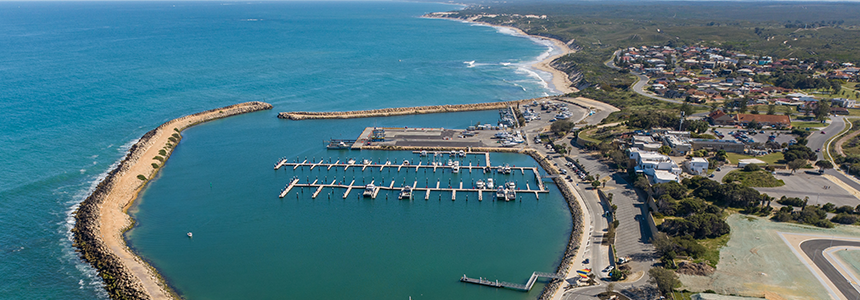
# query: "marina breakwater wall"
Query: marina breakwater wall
{"points": [[573, 206], [120, 281], [399, 111], [575, 233]]}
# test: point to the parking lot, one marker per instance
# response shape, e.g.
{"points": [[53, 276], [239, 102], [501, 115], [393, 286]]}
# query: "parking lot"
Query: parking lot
{"points": [[760, 136], [802, 184]]}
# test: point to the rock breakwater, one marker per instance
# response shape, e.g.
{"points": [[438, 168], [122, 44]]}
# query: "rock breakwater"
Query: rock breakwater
{"points": [[387, 112], [101, 218]]}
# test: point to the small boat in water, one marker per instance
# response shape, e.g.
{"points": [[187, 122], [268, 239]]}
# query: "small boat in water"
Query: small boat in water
{"points": [[461, 153], [369, 189], [406, 162], [510, 195], [366, 162], [189, 234], [505, 169], [351, 161], [500, 193], [405, 193], [511, 185], [490, 183], [456, 167], [423, 153], [480, 184]]}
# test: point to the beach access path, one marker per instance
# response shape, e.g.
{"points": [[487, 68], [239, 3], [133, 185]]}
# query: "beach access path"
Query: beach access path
{"points": [[113, 218]]}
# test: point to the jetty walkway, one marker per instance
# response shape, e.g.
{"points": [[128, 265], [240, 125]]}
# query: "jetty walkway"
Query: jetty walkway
{"points": [[501, 284]]}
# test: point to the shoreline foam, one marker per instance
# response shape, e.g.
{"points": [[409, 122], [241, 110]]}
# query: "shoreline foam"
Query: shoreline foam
{"points": [[101, 219], [559, 81]]}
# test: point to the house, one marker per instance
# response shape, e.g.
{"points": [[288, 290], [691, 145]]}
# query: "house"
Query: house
{"points": [[764, 120], [657, 167], [645, 142], [839, 111], [718, 117], [843, 102], [696, 166]]}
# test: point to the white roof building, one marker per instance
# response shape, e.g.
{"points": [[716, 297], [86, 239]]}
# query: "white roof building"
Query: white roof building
{"points": [[649, 163]]}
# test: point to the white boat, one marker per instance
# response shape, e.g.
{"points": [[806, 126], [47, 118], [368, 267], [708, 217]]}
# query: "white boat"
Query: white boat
{"points": [[509, 143], [510, 195], [367, 162], [490, 183], [480, 184], [461, 153], [369, 189], [456, 167], [351, 161], [405, 162], [423, 153], [450, 163], [453, 153], [511, 185], [502, 135], [189, 234], [500, 193], [506, 169], [405, 193]]}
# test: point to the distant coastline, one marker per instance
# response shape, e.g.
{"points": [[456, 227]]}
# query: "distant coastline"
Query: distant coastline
{"points": [[101, 218], [560, 81]]}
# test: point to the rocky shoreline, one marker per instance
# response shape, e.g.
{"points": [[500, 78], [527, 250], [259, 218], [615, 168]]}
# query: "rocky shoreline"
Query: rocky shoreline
{"points": [[120, 279], [399, 111]]}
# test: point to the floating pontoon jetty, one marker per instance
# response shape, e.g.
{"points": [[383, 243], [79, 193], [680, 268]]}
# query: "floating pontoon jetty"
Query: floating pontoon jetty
{"points": [[501, 284]]}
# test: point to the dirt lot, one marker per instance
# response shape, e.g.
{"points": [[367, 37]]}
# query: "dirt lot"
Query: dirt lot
{"points": [[757, 262]]}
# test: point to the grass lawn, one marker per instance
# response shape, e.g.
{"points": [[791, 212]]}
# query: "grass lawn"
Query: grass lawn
{"points": [[760, 178], [712, 256], [802, 125], [773, 158]]}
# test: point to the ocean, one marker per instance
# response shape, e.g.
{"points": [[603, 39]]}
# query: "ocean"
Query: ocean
{"points": [[81, 81]]}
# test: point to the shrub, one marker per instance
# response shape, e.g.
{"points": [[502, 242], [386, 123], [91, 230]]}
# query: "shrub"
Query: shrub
{"points": [[751, 168], [793, 201], [141, 177], [154, 165], [162, 152], [844, 218], [159, 158]]}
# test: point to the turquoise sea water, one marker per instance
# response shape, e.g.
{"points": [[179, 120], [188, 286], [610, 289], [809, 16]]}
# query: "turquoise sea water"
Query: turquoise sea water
{"points": [[81, 81]]}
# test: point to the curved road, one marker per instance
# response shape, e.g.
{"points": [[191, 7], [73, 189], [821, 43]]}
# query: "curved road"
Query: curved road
{"points": [[639, 86], [814, 249]]}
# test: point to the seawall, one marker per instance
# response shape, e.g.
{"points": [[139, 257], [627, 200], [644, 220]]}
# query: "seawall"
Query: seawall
{"points": [[399, 111], [101, 218]]}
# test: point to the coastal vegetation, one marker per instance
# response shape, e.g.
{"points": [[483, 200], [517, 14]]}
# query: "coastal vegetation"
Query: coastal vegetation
{"points": [[753, 176]]}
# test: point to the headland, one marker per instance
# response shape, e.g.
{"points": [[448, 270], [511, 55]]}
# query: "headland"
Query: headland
{"points": [[101, 219]]}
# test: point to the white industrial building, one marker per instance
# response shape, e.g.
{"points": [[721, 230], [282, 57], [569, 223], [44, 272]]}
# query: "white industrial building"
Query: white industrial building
{"points": [[657, 167]]}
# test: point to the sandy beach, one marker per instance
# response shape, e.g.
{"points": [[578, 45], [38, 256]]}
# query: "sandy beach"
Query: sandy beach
{"points": [[560, 80], [102, 217]]}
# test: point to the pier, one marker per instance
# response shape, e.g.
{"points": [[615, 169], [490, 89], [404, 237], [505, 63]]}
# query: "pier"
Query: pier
{"points": [[388, 164], [391, 187], [501, 284]]}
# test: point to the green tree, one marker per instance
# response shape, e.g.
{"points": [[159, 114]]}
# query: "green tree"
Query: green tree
{"points": [[771, 109], [686, 108], [561, 127], [753, 125], [754, 110], [796, 164], [823, 110], [742, 106], [595, 184], [666, 280], [824, 165], [665, 150]]}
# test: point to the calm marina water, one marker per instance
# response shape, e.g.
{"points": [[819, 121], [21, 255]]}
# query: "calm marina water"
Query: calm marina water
{"points": [[81, 81]]}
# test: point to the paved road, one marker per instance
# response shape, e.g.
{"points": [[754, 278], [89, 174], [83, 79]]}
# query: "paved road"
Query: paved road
{"points": [[639, 86], [816, 140], [814, 249]]}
